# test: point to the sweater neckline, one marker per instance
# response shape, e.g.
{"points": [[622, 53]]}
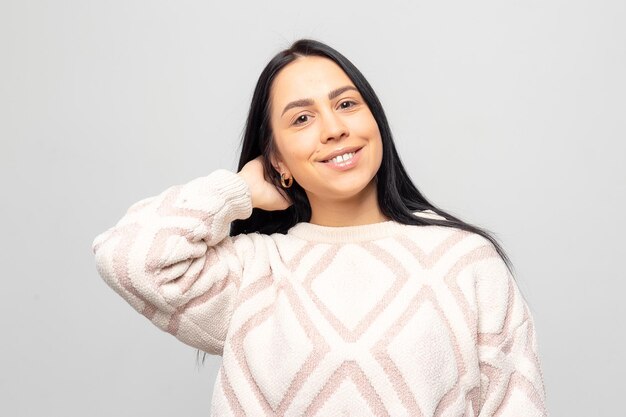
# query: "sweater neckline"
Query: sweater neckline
{"points": [[336, 234]]}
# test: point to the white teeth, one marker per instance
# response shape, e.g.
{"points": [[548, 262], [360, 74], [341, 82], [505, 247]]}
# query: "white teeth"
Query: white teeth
{"points": [[341, 158]]}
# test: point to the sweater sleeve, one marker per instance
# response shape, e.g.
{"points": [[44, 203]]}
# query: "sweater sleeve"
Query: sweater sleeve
{"points": [[170, 257], [511, 377]]}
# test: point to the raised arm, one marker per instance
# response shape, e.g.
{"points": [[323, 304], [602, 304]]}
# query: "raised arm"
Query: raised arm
{"points": [[511, 378], [170, 257]]}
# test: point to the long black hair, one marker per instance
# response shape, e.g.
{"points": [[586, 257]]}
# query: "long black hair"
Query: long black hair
{"points": [[398, 197]]}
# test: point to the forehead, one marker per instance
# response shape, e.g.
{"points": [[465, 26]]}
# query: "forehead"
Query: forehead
{"points": [[307, 77]]}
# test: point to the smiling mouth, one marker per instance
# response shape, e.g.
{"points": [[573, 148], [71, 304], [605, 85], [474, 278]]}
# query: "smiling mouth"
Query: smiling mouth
{"points": [[353, 153]]}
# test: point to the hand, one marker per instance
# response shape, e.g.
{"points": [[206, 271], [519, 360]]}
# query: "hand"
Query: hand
{"points": [[265, 195]]}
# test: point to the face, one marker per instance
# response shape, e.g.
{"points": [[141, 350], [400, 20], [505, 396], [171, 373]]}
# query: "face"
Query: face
{"points": [[315, 111]]}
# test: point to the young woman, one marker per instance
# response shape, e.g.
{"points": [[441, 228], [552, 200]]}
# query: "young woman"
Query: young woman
{"points": [[325, 279]]}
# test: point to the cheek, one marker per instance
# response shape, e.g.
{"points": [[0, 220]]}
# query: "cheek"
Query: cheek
{"points": [[376, 141], [299, 150], [297, 157], [365, 124]]}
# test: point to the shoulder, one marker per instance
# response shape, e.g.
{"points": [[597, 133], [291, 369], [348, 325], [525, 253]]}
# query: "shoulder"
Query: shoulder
{"points": [[429, 214], [438, 231], [457, 245]]}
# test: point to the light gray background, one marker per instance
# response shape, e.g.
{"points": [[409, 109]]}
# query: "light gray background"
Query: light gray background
{"points": [[509, 114]]}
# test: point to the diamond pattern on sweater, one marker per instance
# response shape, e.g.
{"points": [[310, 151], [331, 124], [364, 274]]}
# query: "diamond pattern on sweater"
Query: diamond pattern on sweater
{"points": [[345, 279], [276, 330], [423, 353]]}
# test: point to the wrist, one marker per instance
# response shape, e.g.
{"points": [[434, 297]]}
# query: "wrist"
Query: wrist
{"points": [[249, 185]]}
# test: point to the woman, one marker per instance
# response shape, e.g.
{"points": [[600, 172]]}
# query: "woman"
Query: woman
{"points": [[320, 273]]}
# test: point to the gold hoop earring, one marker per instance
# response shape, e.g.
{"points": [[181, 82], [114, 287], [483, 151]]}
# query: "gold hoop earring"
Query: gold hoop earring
{"points": [[282, 181]]}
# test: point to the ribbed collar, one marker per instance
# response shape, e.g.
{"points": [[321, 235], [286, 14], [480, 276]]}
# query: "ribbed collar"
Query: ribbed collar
{"points": [[337, 234]]}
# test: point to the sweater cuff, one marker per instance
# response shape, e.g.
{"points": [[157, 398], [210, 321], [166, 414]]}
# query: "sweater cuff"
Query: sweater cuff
{"points": [[235, 192]]}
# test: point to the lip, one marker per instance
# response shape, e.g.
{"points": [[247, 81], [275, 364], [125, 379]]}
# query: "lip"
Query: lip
{"points": [[341, 151], [342, 166]]}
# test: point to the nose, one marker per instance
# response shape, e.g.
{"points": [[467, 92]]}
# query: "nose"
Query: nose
{"points": [[334, 127]]}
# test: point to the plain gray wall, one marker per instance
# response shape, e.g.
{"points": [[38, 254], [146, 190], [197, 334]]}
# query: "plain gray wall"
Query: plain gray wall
{"points": [[508, 114]]}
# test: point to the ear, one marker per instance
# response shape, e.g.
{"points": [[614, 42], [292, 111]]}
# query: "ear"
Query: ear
{"points": [[278, 165]]}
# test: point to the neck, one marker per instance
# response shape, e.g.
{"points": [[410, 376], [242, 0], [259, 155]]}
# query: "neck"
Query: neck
{"points": [[357, 210]]}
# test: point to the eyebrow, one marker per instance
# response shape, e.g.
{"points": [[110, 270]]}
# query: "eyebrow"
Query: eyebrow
{"points": [[308, 102]]}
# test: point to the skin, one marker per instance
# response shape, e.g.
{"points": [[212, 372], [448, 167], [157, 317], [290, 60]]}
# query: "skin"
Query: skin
{"points": [[304, 135]]}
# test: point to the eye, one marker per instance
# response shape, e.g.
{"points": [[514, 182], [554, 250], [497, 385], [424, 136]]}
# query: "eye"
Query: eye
{"points": [[299, 119], [347, 102]]}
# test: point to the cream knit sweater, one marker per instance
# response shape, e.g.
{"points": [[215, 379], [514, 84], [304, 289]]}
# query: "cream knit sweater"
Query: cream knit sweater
{"points": [[382, 319]]}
